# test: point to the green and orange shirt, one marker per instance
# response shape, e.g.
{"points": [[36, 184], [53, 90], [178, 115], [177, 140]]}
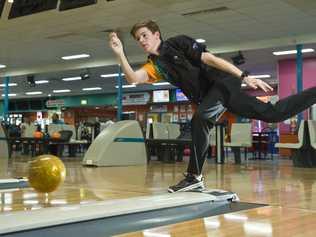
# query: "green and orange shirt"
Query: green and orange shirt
{"points": [[154, 71]]}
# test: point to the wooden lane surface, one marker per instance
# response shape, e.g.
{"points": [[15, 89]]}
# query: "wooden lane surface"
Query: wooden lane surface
{"points": [[289, 190], [82, 185], [265, 221]]}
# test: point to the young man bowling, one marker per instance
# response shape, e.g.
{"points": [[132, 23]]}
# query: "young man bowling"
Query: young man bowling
{"points": [[210, 82]]}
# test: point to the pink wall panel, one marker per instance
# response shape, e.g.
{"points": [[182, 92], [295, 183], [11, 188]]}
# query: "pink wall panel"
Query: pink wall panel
{"points": [[287, 80]]}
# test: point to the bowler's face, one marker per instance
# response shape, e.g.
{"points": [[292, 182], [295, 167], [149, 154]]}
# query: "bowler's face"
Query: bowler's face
{"points": [[147, 40]]}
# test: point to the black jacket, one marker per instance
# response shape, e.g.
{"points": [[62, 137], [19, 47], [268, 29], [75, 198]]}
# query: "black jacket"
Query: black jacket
{"points": [[180, 58]]}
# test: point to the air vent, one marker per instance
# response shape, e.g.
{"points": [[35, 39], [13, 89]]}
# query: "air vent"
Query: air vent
{"points": [[206, 11], [108, 30], [72, 4], [28, 7], [60, 36], [121, 31]]}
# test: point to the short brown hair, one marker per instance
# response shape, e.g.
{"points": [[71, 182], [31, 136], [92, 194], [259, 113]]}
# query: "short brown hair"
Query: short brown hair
{"points": [[150, 24]]}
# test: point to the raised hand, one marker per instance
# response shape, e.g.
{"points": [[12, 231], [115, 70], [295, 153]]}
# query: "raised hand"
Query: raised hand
{"points": [[116, 44]]}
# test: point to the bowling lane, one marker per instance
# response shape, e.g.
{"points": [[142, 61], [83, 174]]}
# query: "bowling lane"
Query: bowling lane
{"points": [[281, 185], [264, 221], [82, 185]]}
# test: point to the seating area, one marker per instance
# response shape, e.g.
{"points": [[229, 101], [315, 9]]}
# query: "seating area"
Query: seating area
{"points": [[312, 132], [27, 144], [162, 141], [62, 127], [297, 145], [304, 151], [240, 137], [163, 131]]}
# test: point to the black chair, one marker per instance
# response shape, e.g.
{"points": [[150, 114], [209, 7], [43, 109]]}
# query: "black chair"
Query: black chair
{"points": [[57, 149], [65, 135]]}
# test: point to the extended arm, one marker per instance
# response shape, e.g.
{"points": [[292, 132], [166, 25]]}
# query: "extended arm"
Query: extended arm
{"points": [[132, 77], [197, 53], [226, 66]]}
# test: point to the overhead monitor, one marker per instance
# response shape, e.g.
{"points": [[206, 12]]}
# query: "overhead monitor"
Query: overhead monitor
{"points": [[71, 4], [161, 96], [27, 7], [180, 96]]}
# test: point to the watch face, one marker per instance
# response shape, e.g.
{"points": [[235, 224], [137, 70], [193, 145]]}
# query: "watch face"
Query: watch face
{"points": [[244, 74]]}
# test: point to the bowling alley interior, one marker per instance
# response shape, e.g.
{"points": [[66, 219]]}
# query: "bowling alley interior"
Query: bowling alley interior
{"points": [[84, 151]]}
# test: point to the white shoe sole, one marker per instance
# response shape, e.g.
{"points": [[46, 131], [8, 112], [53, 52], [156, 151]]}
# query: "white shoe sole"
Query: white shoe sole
{"points": [[197, 186]]}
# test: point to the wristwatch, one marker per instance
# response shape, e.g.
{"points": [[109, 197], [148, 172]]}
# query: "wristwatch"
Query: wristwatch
{"points": [[244, 74]]}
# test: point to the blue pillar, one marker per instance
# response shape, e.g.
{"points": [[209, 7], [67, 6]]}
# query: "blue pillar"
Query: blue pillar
{"points": [[6, 99], [119, 94], [299, 75]]}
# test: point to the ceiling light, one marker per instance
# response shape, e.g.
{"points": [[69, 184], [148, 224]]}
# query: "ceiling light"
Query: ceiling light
{"points": [[41, 82], [10, 84], [200, 40], [78, 56], [126, 86], [161, 83], [112, 75], [92, 89], [71, 79], [153, 233], [34, 93], [2, 66], [236, 217], [278, 53], [10, 1], [62, 91], [10, 95], [49, 95], [261, 76]]}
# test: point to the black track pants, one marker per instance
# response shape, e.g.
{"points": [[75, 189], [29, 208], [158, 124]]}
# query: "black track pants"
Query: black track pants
{"points": [[243, 105]]}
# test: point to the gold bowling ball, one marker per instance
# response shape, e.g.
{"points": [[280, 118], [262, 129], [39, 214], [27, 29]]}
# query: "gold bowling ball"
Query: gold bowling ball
{"points": [[46, 173]]}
